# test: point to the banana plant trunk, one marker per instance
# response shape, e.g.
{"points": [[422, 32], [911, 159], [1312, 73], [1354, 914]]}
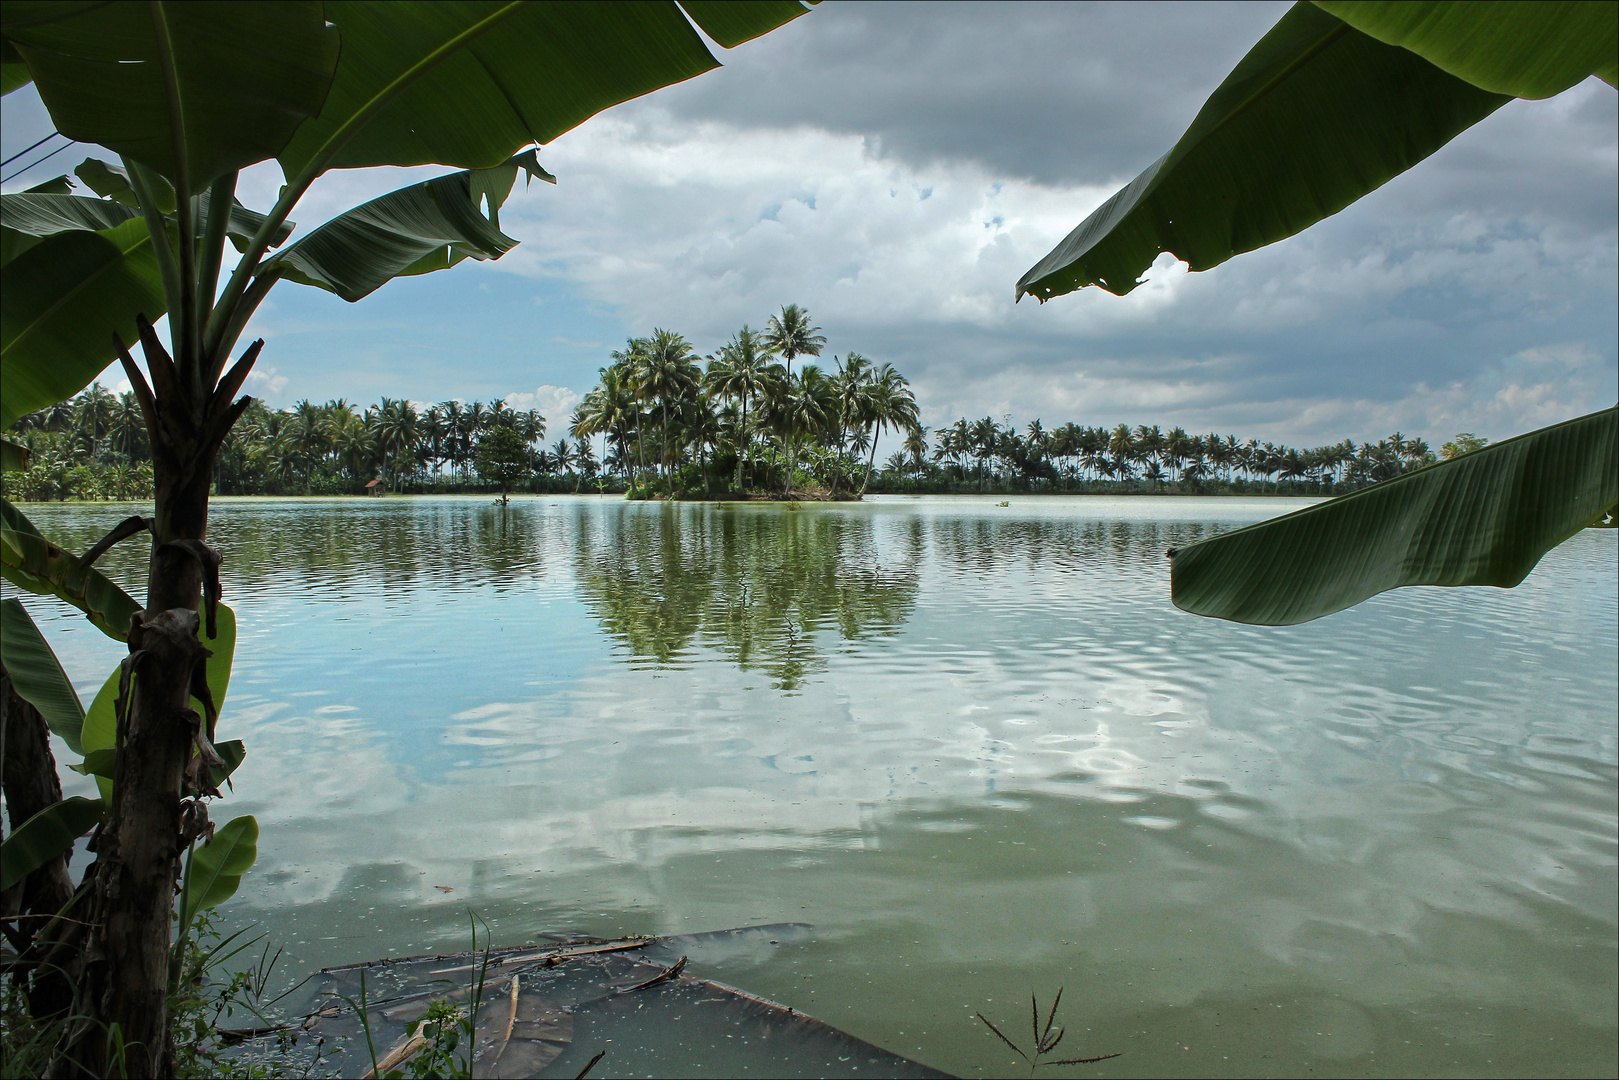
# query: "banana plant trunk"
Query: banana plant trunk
{"points": [[153, 816], [138, 851]]}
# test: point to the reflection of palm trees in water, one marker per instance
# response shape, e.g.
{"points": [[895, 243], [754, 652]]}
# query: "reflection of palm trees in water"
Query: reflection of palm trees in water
{"points": [[757, 585], [981, 545]]}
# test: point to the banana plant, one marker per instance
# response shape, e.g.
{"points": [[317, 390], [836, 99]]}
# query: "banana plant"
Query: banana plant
{"points": [[1337, 99], [48, 833], [185, 96]]}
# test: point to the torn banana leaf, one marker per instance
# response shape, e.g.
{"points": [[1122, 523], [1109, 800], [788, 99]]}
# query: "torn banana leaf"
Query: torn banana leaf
{"points": [[34, 564], [1484, 518]]}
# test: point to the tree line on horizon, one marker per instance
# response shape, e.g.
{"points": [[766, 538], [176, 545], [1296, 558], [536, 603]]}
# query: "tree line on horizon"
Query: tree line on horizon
{"points": [[741, 422], [1074, 456]]}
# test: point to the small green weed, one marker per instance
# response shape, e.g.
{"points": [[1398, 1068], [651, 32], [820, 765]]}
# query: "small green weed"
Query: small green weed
{"points": [[1045, 1039]]}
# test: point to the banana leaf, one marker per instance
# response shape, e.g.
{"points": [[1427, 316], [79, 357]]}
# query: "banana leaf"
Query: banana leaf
{"points": [[56, 185], [112, 182], [1484, 518], [61, 300], [34, 564], [468, 83], [26, 217], [415, 230], [214, 871], [1315, 116], [230, 83], [46, 835], [730, 23], [13, 456], [38, 675], [13, 72], [1528, 48]]}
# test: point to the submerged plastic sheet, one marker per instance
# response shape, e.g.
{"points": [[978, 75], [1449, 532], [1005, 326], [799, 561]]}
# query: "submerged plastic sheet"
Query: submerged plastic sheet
{"points": [[546, 1011]]}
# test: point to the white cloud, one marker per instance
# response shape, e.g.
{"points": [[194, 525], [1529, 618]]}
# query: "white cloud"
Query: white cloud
{"points": [[555, 403], [265, 383], [1370, 317]]}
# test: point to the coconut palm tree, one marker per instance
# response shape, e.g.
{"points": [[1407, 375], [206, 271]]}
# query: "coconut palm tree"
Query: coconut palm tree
{"points": [[531, 426], [985, 435], [396, 429], [433, 430], [890, 405], [807, 407], [790, 335], [584, 458], [666, 374], [92, 416], [916, 444], [561, 457], [852, 388], [128, 432], [740, 372], [611, 410], [473, 422], [700, 428]]}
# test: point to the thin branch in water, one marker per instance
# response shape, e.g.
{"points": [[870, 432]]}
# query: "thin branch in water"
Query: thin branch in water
{"points": [[1015, 1048]]}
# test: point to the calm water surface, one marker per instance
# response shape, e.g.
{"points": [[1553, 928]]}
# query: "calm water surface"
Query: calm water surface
{"points": [[975, 746]]}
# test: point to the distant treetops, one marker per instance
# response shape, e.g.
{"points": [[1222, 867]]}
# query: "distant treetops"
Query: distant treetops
{"points": [[757, 418]]}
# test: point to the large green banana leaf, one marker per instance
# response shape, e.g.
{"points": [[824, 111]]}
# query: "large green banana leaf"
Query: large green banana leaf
{"points": [[46, 835], [469, 82], [1485, 518], [730, 23], [37, 674], [417, 229], [1527, 48], [36, 565], [1315, 116], [452, 82], [61, 300], [229, 83], [13, 72], [26, 218], [214, 871], [112, 182]]}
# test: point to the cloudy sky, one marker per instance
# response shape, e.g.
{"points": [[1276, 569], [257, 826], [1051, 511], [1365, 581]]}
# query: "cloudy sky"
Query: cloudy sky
{"points": [[895, 169]]}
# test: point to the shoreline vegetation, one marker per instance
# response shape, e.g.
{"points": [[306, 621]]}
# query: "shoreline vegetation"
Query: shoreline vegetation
{"points": [[741, 424]]}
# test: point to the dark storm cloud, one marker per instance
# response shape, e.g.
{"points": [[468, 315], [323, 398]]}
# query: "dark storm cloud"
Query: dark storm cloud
{"points": [[1054, 92], [1082, 93]]}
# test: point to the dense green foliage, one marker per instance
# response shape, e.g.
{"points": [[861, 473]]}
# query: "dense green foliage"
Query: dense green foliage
{"points": [[740, 422], [986, 456], [95, 447], [701, 428]]}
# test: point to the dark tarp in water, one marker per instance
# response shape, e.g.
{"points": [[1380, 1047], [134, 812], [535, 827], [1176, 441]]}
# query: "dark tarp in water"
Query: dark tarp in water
{"points": [[546, 1011]]}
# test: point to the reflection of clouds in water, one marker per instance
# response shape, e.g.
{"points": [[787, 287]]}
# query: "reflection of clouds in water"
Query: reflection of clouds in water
{"points": [[997, 727]]}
